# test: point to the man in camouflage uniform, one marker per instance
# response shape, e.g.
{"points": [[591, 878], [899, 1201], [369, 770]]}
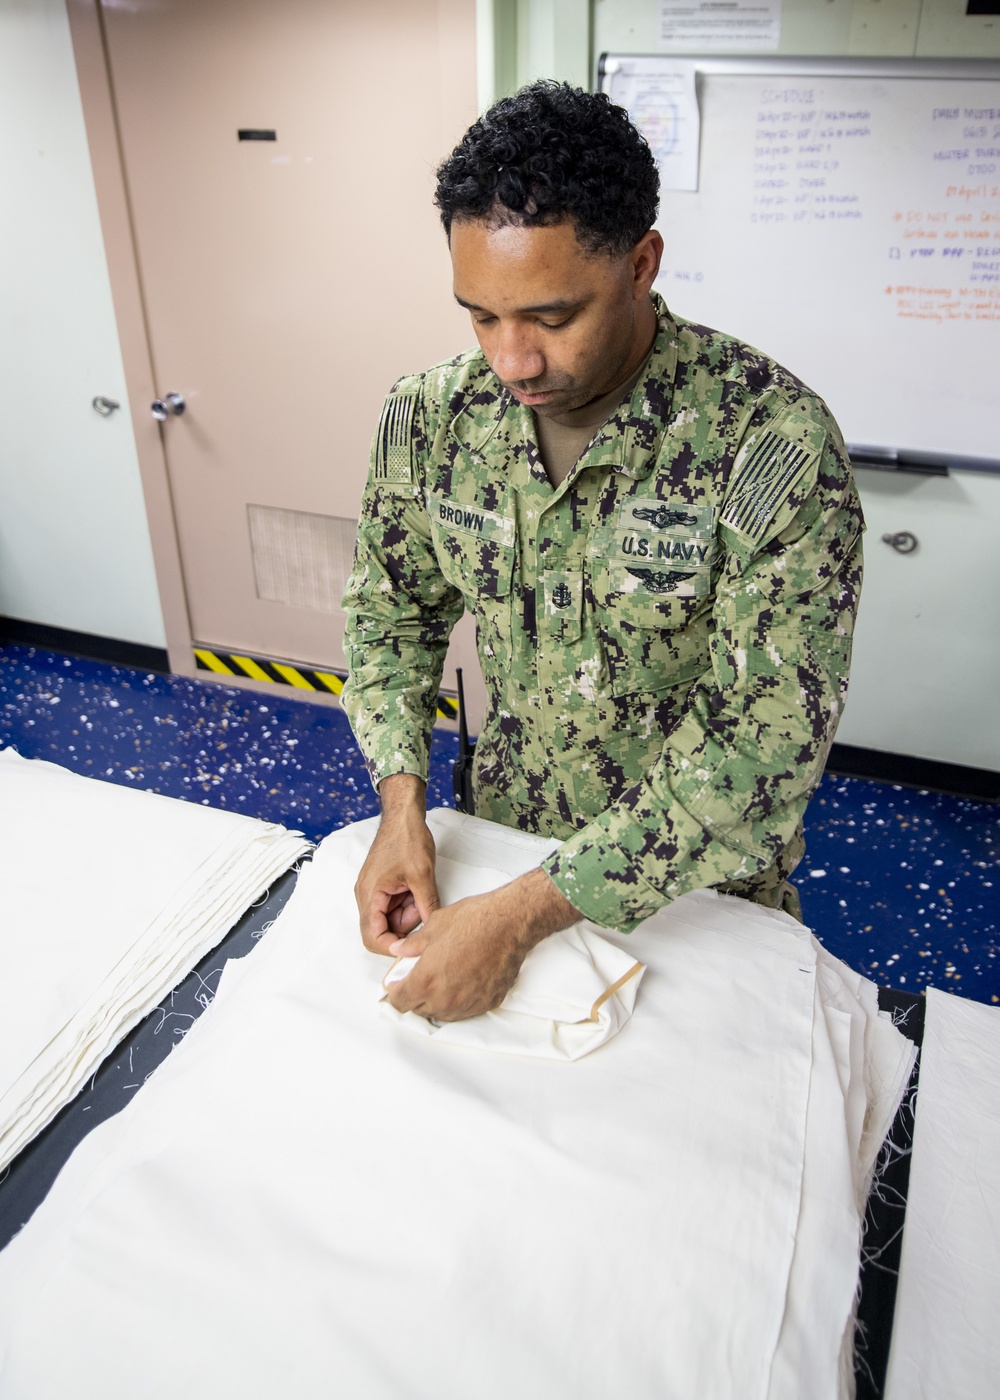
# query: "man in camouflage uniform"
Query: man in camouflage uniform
{"points": [[664, 615]]}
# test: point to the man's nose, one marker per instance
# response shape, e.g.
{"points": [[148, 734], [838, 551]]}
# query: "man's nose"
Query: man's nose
{"points": [[517, 357]]}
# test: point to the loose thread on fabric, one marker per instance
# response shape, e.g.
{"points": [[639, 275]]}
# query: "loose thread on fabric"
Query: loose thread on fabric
{"points": [[861, 1345], [898, 1146]]}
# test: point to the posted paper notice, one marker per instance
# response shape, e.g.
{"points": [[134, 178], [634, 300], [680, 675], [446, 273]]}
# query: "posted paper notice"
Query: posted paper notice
{"points": [[720, 26], [662, 101]]}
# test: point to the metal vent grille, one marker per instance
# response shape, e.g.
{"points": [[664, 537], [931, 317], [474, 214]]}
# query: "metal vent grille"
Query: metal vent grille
{"points": [[300, 558]]}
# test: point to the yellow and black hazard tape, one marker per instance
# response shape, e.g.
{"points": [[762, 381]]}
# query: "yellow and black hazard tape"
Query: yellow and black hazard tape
{"points": [[258, 668]]}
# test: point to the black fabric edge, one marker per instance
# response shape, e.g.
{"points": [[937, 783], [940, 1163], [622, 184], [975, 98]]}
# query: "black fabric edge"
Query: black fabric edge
{"points": [[906, 771], [885, 1215], [110, 649]]}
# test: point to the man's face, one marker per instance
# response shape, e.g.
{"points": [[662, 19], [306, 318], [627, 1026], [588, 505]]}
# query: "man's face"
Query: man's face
{"points": [[558, 326]]}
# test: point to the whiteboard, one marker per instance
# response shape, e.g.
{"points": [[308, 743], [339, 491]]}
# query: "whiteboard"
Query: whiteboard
{"points": [[847, 223]]}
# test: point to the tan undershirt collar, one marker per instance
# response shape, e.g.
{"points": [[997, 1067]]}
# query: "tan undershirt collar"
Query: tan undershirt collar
{"points": [[561, 444]]}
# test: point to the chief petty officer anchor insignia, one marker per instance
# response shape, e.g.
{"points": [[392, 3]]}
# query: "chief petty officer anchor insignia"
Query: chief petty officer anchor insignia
{"points": [[561, 596]]}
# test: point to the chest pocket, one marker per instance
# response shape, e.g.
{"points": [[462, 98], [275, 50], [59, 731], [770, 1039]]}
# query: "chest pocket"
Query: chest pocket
{"points": [[650, 644], [476, 549], [652, 589]]}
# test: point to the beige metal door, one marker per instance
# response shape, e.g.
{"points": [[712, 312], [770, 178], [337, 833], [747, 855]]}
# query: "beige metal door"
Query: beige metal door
{"points": [[288, 278]]}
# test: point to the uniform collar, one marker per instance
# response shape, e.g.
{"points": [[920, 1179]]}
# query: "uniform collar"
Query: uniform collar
{"points": [[486, 405], [629, 442]]}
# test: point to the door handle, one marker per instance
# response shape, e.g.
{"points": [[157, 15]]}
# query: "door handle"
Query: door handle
{"points": [[171, 405], [903, 541]]}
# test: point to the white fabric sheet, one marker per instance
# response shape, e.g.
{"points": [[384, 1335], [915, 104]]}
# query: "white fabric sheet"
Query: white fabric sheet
{"points": [[307, 1200], [575, 990], [110, 897], [948, 1299]]}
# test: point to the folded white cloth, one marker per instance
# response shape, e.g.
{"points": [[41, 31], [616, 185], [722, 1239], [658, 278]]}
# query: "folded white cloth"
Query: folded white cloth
{"points": [[948, 1300], [111, 895], [306, 1199], [575, 989]]}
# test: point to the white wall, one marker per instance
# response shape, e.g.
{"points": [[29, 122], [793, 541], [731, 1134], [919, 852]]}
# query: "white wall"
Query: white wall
{"points": [[553, 40], [518, 41], [74, 544]]}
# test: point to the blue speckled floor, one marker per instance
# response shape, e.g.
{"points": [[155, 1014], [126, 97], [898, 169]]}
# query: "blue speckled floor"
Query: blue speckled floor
{"points": [[903, 885], [261, 754]]}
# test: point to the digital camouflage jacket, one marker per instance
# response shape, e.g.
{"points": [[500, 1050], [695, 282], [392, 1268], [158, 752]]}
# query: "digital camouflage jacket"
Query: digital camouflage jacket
{"points": [[665, 637]]}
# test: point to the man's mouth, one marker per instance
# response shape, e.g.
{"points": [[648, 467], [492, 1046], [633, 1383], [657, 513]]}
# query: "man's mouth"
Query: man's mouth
{"points": [[532, 392], [531, 398]]}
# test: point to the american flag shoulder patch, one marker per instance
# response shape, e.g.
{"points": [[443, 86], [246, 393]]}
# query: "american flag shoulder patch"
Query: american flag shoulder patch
{"points": [[764, 473], [392, 457]]}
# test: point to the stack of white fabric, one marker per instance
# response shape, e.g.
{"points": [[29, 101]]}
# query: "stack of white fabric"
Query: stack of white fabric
{"points": [[110, 896], [948, 1301], [307, 1199]]}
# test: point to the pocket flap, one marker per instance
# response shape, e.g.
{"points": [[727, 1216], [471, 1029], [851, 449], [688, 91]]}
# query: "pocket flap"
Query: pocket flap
{"points": [[475, 547]]}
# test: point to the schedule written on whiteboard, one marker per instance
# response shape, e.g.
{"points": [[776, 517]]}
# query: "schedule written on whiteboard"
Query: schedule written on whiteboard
{"points": [[848, 224]]}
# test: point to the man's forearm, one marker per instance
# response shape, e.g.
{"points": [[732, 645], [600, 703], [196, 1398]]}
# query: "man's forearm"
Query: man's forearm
{"points": [[402, 795], [536, 907]]}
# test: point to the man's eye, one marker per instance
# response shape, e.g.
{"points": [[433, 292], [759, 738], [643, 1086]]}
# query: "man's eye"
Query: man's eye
{"points": [[483, 320], [556, 325]]}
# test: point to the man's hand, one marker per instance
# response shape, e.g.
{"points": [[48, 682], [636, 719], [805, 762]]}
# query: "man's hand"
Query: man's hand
{"points": [[471, 952], [396, 889]]}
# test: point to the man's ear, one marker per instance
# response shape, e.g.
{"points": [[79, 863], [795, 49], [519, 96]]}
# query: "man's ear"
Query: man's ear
{"points": [[645, 260]]}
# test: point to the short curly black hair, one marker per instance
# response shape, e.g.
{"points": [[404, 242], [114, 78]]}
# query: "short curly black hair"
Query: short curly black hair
{"points": [[553, 152]]}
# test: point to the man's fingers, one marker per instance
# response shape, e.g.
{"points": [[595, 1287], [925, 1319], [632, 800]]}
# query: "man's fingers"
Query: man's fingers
{"points": [[402, 916], [397, 907], [382, 943], [424, 998], [411, 946], [396, 889], [396, 998], [385, 916], [424, 892], [407, 995]]}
